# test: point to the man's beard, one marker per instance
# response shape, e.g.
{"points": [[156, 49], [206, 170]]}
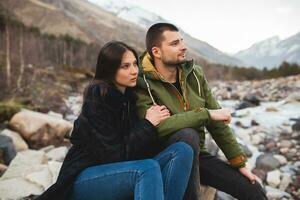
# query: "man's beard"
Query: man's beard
{"points": [[173, 63]]}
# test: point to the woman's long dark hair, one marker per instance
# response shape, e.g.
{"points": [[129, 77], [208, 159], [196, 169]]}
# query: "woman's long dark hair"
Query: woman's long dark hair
{"points": [[109, 60]]}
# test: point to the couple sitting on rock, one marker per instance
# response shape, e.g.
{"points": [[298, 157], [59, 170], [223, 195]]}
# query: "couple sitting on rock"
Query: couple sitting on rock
{"points": [[140, 133]]}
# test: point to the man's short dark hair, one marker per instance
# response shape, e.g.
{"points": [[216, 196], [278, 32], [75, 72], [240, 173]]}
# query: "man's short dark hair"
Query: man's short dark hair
{"points": [[154, 35]]}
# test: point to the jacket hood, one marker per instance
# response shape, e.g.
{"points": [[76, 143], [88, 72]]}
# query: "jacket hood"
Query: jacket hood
{"points": [[148, 71]]}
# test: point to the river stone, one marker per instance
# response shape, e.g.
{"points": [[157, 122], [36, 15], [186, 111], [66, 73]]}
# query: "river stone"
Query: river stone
{"points": [[267, 162]]}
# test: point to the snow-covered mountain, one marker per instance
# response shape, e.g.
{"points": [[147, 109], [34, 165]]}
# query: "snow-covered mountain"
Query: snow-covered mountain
{"points": [[128, 11], [272, 52], [145, 19]]}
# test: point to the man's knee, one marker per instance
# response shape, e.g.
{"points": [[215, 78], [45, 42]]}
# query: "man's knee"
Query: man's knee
{"points": [[189, 136], [255, 192]]}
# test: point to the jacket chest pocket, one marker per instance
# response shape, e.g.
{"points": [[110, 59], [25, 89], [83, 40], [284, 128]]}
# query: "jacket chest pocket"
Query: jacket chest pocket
{"points": [[201, 102], [195, 100]]}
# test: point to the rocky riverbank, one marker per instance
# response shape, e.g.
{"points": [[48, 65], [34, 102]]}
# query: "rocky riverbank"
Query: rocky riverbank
{"points": [[266, 121], [265, 90], [270, 135]]}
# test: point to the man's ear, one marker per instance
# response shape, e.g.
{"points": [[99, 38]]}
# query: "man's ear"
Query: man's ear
{"points": [[156, 52]]}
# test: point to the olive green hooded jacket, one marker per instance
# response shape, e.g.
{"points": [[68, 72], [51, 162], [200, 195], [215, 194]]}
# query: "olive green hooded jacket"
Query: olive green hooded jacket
{"points": [[188, 110]]}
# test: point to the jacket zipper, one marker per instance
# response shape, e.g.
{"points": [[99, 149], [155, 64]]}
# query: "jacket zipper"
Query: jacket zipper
{"points": [[125, 136], [181, 85], [183, 99], [183, 91], [123, 114], [128, 113]]}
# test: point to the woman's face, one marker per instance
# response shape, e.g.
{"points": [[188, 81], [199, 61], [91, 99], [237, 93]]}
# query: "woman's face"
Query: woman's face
{"points": [[127, 73]]}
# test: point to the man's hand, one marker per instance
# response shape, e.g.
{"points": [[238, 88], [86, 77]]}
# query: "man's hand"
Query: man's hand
{"points": [[223, 114], [248, 174]]}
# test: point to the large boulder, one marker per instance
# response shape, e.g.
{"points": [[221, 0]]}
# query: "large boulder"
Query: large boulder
{"points": [[25, 162], [39, 129], [248, 101], [296, 126], [267, 162], [293, 97], [30, 173], [286, 180], [18, 141], [244, 104], [282, 160], [7, 149], [274, 193], [57, 154], [273, 178]]}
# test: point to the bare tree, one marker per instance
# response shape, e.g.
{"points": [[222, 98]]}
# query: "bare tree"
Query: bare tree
{"points": [[64, 53], [71, 56], [8, 65], [21, 59]]}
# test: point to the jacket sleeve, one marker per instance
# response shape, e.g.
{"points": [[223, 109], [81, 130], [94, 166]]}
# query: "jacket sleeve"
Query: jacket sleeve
{"points": [[103, 139], [222, 133], [175, 122]]}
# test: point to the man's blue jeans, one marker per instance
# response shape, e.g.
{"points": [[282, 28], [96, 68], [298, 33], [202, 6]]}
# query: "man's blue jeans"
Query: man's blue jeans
{"points": [[163, 177]]}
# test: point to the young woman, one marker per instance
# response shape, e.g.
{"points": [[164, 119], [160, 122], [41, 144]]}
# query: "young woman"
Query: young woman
{"points": [[110, 146]]}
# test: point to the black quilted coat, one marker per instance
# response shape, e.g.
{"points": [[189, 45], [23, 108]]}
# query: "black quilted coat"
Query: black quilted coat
{"points": [[106, 131]]}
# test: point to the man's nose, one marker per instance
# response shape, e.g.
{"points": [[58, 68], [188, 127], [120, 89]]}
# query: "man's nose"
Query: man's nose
{"points": [[183, 47]]}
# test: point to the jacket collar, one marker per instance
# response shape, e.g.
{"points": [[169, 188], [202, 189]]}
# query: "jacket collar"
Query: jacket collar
{"points": [[117, 99]]}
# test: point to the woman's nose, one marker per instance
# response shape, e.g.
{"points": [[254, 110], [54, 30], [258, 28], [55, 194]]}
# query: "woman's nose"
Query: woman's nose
{"points": [[134, 69]]}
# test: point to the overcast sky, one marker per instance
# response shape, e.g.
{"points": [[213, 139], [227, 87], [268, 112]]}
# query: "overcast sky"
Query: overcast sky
{"points": [[230, 25]]}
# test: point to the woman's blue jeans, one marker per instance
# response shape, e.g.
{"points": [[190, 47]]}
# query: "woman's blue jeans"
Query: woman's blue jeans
{"points": [[163, 177]]}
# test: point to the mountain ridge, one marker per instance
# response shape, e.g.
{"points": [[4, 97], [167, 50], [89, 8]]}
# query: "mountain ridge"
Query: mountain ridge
{"points": [[272, 51]]}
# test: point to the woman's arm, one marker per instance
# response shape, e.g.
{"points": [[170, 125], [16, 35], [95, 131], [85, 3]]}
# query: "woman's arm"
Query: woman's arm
{"points": [[95, 130]]}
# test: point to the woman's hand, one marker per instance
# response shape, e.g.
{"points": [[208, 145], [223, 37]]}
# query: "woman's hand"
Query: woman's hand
{"points": [[156, 114], [222, 114], [248, 174]]}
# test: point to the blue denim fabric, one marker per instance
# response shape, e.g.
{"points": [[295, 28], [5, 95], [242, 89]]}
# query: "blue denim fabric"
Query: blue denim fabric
{"points": [[163, 177]]}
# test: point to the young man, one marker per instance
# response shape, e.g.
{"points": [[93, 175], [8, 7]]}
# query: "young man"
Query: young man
{"points": [[167, 78]]}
